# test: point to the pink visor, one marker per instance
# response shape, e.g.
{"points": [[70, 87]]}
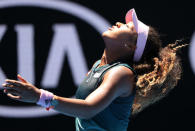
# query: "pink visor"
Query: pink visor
{"points": [[142, 31]]}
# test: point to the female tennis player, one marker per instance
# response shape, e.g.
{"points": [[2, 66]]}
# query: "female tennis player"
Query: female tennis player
{"points": [[133, 72]]}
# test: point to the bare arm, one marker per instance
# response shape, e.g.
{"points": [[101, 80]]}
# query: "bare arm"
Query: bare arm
{"points": [[116, 82]]}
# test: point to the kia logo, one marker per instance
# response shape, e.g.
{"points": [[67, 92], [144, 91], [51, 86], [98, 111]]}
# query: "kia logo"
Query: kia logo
{"points": [[65, 42]]}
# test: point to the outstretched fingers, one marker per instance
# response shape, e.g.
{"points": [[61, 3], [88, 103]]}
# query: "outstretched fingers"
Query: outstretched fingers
{"points": [[11, 91], [13, 84], [13, 96], [21, 78]]}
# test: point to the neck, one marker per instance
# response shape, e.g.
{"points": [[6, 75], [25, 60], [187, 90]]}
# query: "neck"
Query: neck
{"points": [[107, 58], [113, 53], [109, 54]]}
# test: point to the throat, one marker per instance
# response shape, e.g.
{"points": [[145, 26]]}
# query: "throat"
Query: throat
{"points": [[106, 58]]}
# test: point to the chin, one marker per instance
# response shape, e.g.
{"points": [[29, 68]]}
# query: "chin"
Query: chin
{"points": [[106, 34]]}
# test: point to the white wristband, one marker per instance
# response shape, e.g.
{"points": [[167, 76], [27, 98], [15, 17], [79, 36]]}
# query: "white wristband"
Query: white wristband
{"points": [[45, 98]]}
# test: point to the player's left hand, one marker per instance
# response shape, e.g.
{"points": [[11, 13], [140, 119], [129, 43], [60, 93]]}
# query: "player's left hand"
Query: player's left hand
{"points": [[21, 90]]}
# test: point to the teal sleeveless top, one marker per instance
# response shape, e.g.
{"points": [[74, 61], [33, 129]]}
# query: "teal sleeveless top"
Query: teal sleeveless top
{"points": [[115, 117]]}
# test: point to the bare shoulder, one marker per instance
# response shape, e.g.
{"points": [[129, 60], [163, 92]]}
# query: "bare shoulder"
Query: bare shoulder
{"points": [[120, 71], [122, 77]]}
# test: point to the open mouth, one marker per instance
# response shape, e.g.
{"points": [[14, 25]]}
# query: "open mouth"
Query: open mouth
{"points": [[111, 28]]}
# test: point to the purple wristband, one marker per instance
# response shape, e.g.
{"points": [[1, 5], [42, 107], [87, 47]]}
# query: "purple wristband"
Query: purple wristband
{"points": [[45, 98]]}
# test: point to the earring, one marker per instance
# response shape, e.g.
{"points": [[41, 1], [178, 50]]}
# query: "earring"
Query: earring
{"points": [[126, 45]]}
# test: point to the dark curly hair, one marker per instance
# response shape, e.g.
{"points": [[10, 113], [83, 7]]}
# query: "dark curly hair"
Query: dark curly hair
{"points": [[158, 71]]}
